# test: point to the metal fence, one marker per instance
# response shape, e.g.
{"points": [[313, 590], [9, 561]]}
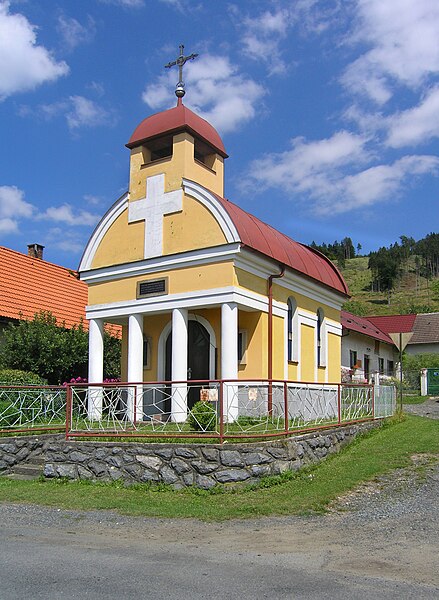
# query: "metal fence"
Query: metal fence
{"points": [[220, 409], [31, 408], [190, 409]]}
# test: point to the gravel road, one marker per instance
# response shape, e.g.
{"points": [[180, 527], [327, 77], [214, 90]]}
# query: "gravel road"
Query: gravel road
{"points": [[380, 541], [429, 408]]}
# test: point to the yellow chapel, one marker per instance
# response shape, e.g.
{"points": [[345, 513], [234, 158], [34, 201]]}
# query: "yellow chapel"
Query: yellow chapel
{"points": [[204, 290]]}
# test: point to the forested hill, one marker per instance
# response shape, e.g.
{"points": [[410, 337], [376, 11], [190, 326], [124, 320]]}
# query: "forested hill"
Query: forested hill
{"points": [[403, 278]]}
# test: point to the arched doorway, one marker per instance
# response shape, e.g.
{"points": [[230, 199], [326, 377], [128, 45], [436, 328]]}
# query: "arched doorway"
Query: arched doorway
{"points": [[199, 358]]}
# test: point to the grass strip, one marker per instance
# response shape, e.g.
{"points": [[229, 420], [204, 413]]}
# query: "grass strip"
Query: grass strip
{"points": [[309, 490]]}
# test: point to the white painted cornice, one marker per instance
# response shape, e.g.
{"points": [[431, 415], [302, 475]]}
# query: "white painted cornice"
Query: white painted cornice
{"points": [[191, 300], [193, 258]]}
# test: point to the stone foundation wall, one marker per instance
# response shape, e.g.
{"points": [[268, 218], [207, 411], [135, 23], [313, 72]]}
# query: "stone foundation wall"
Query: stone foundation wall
{"points": [[16, 450], [179, 465]]}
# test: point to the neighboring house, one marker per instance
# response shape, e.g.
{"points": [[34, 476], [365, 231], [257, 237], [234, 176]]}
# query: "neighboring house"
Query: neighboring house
{"points": [[425, 334], [203, 289], [424, 327], [29, 284], [366, 351]]}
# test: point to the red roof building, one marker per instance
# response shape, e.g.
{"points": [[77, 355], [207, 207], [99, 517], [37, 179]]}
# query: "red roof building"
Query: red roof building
{"points": [[363, 325], [29, 285], [394, 323]]}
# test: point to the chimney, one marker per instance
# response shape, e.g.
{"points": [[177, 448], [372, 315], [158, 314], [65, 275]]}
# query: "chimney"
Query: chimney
{"points": [[35, 251]]}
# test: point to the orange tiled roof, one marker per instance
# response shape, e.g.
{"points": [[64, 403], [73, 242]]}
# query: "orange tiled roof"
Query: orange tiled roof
{"points": [[29, 285]]}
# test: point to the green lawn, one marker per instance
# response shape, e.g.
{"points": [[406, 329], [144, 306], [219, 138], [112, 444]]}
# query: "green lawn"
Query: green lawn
{"points": [[378, 452]]}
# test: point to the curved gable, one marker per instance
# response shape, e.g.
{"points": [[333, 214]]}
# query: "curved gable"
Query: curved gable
{"points": [[202, 223]]}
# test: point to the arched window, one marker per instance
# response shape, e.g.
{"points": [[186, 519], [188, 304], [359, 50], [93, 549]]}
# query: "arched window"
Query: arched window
{"points": [[292, 342], [321, 348]]}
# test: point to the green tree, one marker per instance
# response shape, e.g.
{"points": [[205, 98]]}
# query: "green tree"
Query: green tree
{"points": [[52, 351], [412, 365], [435, 289]]}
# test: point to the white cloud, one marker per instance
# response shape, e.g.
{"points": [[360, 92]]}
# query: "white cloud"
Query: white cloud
{"points": [[23, 64], [77, 110], [403, 41], [325, 174], [85, 113], [70, 216], [216, 91], [75, 34], [262, 37], [13, 207], [416, 125], [93, 200], [376, 184], [308, 165], [126, 3], [70, 241]]}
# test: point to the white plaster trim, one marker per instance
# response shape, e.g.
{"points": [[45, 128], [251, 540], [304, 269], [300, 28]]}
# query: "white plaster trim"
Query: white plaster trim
{"points": [[101, 229], [199, 299], [334, 328], [161, 357], [208, 200], [170, 262], [286, 347], [306, 318], [295, 282]]}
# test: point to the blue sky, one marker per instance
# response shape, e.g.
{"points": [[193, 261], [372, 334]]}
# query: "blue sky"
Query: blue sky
{"points": [[329, 111]]}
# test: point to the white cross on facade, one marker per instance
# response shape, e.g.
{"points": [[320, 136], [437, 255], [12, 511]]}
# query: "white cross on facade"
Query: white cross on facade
{"points": [[152, 210]]}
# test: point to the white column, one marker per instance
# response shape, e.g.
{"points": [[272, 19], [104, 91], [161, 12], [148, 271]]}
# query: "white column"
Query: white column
{"points": [[95, 367], [135, 367], [424, 386], [179, 364], [229, 358]]}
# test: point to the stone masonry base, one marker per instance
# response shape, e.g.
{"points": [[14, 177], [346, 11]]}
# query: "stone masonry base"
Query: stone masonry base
{"points": [[179, 465]]}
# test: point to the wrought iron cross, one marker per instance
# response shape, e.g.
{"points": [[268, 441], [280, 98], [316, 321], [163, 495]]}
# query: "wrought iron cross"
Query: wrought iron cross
{"points": [[180, 62]]}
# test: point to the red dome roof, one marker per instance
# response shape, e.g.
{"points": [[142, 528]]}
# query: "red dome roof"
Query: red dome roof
{"points": [[173, 120], [263, 238]]}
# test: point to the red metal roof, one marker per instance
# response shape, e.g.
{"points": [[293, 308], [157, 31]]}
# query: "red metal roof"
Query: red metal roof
{"points": [[263, 238], [179, 118], [364, 326], [30, 285], [394, 323]]}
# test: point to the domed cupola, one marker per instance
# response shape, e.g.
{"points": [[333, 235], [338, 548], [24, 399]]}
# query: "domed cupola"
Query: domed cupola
{"points": [[177, 119], [178, 143]]}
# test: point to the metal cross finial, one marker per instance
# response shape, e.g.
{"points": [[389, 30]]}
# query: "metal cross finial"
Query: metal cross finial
{"points": [[180, 62]]}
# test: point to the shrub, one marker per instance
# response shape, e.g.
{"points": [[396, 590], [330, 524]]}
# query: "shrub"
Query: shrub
{"points": [[46, 347], [17, 377], [8, 414], [202, 416]]}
